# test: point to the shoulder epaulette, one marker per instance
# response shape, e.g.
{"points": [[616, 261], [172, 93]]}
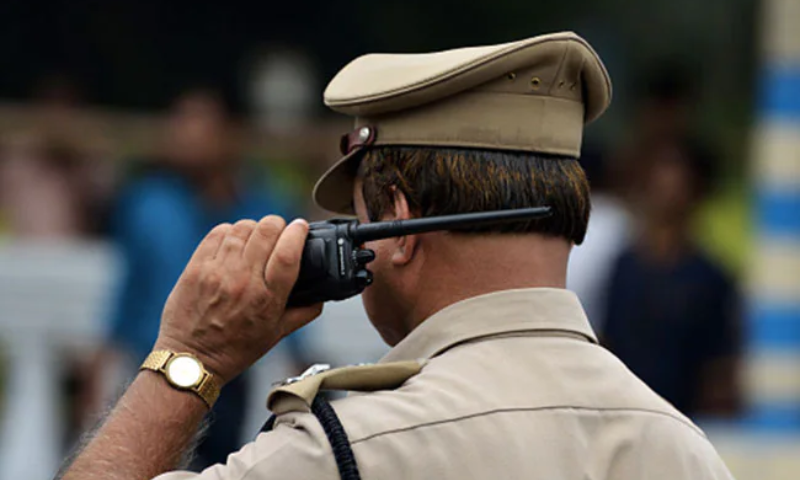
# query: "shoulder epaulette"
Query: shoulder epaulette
{"points": [[298, 393]]}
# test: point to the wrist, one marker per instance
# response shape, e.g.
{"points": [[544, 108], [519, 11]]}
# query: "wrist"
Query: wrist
{"points": [[160, 388], [209, 361], [184, 371]]}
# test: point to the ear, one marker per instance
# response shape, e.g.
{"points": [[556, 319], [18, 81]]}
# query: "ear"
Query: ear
{"points": [[405, 247]]}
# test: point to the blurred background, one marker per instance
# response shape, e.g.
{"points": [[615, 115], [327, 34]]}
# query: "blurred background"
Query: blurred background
{"points": [[128, 129]]}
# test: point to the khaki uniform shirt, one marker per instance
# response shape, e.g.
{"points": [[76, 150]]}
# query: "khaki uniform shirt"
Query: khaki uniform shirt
{"points": [[515, 387]]}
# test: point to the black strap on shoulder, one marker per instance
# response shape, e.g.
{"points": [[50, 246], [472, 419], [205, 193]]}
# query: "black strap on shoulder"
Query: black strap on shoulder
{"points": [[345, 460], [269, 424]]}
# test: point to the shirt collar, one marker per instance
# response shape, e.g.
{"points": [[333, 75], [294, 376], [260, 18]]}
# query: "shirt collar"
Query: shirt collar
{"points": [[508, 311]]}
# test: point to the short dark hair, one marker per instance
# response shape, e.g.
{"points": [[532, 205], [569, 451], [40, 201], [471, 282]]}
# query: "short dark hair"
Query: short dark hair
{"points": [[443, 181]]}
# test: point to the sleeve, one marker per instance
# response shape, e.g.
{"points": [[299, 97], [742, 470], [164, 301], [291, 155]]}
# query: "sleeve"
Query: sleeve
{"points": [[296, 448]]}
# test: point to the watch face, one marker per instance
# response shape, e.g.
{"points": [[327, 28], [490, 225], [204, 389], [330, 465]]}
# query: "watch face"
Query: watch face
{"points": [[184, 371]]}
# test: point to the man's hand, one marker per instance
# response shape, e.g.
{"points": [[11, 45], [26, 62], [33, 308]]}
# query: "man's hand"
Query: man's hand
{"points": [[229, 306], [228, 309]]}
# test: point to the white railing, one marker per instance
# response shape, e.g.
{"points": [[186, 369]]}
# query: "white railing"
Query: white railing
{"points": [[52, 298]]}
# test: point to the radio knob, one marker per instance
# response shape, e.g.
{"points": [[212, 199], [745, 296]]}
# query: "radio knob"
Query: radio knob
{"points": [[364, 256], [364, 278]]}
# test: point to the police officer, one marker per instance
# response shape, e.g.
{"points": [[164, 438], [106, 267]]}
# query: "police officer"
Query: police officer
{"points": [[494, 370]]}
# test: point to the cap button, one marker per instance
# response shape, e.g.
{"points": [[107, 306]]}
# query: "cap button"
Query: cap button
{"points": [[363, 134]]}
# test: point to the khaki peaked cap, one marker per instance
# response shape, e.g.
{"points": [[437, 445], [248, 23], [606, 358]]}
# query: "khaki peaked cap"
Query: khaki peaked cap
{"points": [[533, 95]]}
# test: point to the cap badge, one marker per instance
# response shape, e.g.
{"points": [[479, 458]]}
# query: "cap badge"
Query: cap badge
{"points": [[358, 138]]}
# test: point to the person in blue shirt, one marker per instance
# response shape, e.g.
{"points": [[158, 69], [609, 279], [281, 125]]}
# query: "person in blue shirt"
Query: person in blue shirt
{"points": [[671, 311], [197, 183]]}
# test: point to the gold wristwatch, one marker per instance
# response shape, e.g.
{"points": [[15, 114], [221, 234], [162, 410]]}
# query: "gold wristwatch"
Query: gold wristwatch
{"points": [[185, 372]]}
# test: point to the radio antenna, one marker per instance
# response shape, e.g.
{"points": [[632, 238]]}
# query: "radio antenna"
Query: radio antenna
{"points": [[398, 228]]}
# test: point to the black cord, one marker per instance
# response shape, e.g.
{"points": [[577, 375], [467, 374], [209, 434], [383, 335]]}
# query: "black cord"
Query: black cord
{"points": [[345, 460], [268, 425]]}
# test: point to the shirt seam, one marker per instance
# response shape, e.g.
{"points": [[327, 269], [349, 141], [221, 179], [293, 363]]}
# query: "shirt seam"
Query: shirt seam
{"points": [[515, 334], [691, 426]]}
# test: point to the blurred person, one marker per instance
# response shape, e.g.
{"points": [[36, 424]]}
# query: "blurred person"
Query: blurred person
{"points": [[665, 106], [39, 194], [494, 370], [55, 179], [671, 312], [591, 263], [666, 100], [197, 182]]}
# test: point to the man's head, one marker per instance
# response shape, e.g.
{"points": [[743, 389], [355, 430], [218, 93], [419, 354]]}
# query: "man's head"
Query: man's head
{"points": [[675, 177], [406, 182], [198, 132], [466, 130]]}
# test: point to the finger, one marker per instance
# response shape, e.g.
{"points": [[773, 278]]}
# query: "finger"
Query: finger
{"points": [[284, 263], [210, 244], [262, 242], [234, 241], [298, 317]]}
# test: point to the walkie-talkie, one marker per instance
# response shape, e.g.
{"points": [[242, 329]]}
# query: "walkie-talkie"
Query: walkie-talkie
{"points": [[334, 263]]}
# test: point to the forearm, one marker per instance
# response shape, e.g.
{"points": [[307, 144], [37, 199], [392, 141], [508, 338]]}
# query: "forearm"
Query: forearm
{"points": [[145, 435], [228, 309]]}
